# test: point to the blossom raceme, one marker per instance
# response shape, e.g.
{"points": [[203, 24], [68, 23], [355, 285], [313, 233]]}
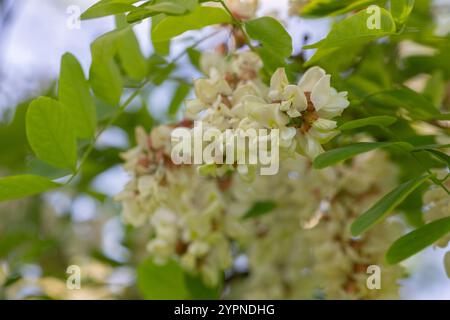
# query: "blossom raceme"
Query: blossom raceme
{"points": [[207, 228], [234, 97]]}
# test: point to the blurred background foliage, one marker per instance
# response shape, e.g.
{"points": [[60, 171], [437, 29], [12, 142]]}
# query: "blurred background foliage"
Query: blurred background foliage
{"points": [[41, 236]]}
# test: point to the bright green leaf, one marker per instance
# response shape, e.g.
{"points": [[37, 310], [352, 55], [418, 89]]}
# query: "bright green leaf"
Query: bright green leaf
{"points": [[199, 291], [17, 187], [131, 58], [401, 10], [104, 76], [168, 7], [173, 26], [107, 8], [50, 133], [163, 47], [385, 206], [74, 94], [271, 34], [417, 240], [160, 282]]}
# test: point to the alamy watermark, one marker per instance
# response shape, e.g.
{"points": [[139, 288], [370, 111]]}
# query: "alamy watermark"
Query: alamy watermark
{"points": [[73, 19], [73, 281]]}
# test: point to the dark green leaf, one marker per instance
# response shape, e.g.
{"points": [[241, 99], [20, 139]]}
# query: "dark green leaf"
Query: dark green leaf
{"points": [[418, 240], [385, 206], [440, 155], [370, 121], [340, 154], [177, 100], [352, 32], [259, 209], [321, 8]]}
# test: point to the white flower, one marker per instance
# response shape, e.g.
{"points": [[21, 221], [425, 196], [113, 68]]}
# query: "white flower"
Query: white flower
{"points": [[291, 98], [210, 61], [327, 102], [246, 65], [160, 138], [323, 104], [207, 90], [278, 82], [294, 101]]}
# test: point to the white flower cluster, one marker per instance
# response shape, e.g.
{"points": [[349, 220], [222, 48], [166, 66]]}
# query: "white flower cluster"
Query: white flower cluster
{"points": [[234, 97], [302, 248], [186, 212]]}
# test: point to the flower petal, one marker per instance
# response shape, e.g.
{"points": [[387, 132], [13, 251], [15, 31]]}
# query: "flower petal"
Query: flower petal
{"points": [[310, 78], [321, 92]]}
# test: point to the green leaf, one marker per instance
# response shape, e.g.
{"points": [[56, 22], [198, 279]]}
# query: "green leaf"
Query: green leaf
{"points": [[74, 94], [168, 7], [355, 30], [352, 32], [417, 106], [259, 209], [107, 8], [163, 47], [440, 155], [177, 100], [321, 8], [161, 282], [194, 57], [50, 133], [105, 78], [199, 291], [401, 10], [271, 34], [417, 240], [17, 187], [381, 121], [131, 58], [334, 156], [173, 26], [385, 206], [435, 88], [106, 81]]}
